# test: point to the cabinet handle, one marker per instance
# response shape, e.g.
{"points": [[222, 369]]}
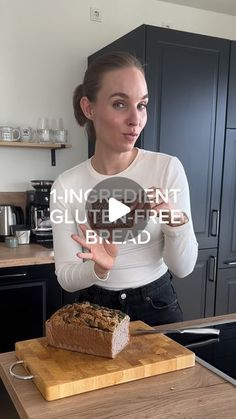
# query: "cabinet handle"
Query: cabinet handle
{"points": [[13, 275], [215, 218], [231, 263], [212, 268]]}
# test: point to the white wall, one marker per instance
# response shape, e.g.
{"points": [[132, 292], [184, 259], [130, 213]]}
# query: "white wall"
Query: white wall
{"points": [[44, 46]]}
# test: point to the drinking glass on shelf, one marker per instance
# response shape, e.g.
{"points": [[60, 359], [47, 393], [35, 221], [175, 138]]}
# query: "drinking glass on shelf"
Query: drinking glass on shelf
{"points": [[57, 124], [58, 131], [43, 131], [43, 123], [60, 136]]}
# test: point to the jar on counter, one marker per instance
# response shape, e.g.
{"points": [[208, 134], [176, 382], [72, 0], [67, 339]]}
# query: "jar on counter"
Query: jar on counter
{"points": [[11, 241]]}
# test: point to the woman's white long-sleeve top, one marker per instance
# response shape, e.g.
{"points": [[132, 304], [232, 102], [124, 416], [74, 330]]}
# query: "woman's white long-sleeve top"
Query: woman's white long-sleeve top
{"points": [[173, 248]]}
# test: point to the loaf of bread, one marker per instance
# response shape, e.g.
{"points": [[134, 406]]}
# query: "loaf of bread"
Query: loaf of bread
{"points": [[88, 328]]}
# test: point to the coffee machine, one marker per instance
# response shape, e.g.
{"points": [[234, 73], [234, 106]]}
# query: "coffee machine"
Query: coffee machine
{"points": [[38, 212]]}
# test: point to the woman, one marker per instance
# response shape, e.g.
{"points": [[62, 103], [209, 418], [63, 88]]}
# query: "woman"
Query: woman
{"points": [[112, 104]]}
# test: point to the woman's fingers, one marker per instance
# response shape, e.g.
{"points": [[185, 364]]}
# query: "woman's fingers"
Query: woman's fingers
{"points": [[83, 228], [155, 195], [86, 256], [81, 241]]}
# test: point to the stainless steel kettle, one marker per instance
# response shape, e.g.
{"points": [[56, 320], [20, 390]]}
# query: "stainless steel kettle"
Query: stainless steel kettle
{"points": [[10, 215]]}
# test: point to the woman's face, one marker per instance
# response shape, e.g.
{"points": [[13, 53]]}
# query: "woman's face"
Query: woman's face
{"points": [[119, 113]]}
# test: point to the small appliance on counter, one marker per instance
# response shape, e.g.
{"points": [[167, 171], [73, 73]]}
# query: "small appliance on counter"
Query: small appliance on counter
{"points": [[10, 216], [38, 212]]}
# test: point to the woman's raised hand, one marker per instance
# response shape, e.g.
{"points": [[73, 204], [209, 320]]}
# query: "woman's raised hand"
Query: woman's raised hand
{"points": [[101, 251]]}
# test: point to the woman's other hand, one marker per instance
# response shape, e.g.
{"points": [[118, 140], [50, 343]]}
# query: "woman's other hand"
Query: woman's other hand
{"points": [[102, 252], [161, 204]]}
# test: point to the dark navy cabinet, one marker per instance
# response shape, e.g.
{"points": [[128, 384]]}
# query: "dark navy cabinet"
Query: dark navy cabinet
{"points": [[226, 292], [231, 114], [196, 291], [227, 242], [187, 78], [28, 296], [226, 276]]}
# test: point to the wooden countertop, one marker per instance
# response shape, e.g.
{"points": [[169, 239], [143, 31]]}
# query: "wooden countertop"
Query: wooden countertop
{"points": [[192, 393], [25, 254]]}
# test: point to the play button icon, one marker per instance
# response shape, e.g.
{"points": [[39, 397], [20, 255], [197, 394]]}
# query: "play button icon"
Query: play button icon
{"points": [[116, 209]]}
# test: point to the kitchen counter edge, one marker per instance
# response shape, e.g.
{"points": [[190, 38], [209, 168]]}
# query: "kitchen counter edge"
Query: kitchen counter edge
{"points": [[25, 255]]}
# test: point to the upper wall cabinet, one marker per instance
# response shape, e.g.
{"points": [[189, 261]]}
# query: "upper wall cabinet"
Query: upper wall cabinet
{"points": [[187, 76], [231, 114]]}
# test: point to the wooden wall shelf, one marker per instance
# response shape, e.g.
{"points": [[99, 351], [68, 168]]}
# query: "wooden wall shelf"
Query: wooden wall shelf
{"points": [[50, 146]]}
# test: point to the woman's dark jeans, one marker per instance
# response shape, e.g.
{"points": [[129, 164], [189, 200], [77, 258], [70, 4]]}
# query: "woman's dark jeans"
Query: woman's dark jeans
{"points": [[154, 304]]}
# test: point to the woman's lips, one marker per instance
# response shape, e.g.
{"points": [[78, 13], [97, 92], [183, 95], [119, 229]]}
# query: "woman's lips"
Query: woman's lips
{"points": [[131, 136]]}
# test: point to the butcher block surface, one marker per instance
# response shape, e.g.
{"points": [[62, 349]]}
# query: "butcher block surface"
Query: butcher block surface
{"points": [[59, 373]]}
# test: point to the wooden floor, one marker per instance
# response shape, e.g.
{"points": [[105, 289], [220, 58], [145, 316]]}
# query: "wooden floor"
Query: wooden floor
{"points": [[7, 409]]}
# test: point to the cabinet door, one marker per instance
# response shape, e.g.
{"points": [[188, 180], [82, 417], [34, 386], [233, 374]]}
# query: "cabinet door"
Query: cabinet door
{"points": [[196, 292], [23, 308], [226, 291], [28, 296], [231, 113], [187, 79], [227, 242]]}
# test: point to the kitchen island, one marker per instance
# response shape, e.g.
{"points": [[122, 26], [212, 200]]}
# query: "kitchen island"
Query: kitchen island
{"points": [[192, 393]]}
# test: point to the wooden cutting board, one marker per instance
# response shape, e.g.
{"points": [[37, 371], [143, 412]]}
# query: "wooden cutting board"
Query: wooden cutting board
{"points": [[60, 373]]}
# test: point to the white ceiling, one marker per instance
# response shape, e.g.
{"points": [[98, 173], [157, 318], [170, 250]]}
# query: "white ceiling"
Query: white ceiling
{"points": [[221, 6]]}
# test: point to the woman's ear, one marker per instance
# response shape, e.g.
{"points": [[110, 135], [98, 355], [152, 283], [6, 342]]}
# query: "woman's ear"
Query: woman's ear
{"points": [[86, 107]]}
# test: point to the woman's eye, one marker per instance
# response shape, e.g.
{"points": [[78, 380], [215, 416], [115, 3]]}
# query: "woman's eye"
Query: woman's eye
{"points": [[118, 105], [142, 106]]}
